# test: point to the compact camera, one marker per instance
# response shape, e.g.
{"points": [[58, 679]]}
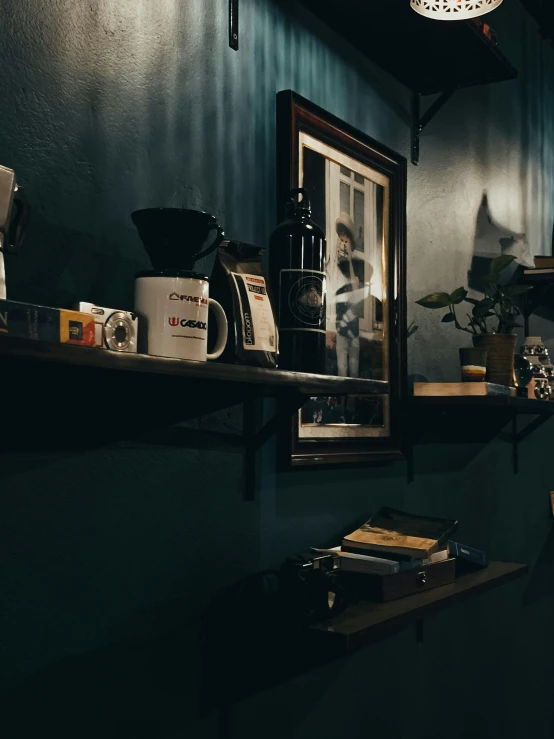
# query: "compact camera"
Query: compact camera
{"points": [[115, 329]]}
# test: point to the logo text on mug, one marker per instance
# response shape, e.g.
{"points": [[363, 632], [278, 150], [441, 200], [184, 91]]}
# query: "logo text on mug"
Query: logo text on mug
{"points": [[188, 323], [189, 298]]}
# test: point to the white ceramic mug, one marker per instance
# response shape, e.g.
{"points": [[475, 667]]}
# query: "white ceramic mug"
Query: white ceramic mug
{"points": [[172, 306]]}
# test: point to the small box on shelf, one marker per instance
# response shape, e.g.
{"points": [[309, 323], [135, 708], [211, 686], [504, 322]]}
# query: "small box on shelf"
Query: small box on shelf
{"points": [[384, 588]]}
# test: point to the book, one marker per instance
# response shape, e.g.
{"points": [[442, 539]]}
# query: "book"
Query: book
{"points": [[396, 532], [405, 562], [545, 271], [28, 321], [467, 558], [544, 262], [350, 562], [440, 556]]}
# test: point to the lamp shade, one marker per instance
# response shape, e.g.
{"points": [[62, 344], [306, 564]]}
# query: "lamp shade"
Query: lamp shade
{"points": [[453, 10]]}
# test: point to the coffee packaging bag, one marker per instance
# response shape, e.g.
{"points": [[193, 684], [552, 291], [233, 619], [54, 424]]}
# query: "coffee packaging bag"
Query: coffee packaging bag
{"points": [[238, 282]]}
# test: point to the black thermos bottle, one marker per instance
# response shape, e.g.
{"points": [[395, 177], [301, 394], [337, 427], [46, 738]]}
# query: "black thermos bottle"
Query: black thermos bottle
{"points": [[297, 272]]}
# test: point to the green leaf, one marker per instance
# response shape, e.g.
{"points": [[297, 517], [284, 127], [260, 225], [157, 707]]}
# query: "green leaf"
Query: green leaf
{"points": [[435, 301], [448, 318], [500, 263], [472, 301], [458, 296], [512, 290], [482, 310]]}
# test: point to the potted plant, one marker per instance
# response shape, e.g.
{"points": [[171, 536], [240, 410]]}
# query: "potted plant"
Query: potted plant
{"points": [[491, 320]]}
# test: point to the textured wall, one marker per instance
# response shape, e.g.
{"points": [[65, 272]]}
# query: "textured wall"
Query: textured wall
{"points": [[110, 106]]}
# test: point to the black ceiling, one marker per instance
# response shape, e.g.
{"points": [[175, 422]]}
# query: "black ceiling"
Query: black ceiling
{"points": [[425, 55], [543, 12]]}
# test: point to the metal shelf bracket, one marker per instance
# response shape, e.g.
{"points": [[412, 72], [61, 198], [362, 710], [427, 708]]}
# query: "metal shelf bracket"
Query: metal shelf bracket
{"points": [[234, 24], [420, 121], [255, 435], [516, 436]]}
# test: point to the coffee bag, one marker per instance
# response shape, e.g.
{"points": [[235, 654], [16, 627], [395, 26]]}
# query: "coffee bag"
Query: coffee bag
{"points": [[238, 282]]}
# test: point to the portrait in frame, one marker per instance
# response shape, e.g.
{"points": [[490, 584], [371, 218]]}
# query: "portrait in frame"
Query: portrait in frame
{"points": [[357, 190]]}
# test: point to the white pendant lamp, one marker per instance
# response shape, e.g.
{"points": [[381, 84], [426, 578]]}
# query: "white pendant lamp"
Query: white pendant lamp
{"points": [[453, 10]]}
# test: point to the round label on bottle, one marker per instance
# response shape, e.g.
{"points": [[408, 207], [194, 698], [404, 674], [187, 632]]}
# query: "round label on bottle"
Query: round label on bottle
{"points": [[302, 300]]}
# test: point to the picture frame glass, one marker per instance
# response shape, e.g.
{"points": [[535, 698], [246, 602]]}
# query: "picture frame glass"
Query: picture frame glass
{"points": [[350, 200]]}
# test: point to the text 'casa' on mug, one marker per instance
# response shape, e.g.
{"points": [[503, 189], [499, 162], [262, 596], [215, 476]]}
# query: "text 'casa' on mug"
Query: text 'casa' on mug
{"points": [[173, 306]]}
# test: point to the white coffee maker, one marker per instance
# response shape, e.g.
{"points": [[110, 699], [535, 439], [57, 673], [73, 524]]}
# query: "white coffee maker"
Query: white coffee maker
{"points": [[12, 224]]}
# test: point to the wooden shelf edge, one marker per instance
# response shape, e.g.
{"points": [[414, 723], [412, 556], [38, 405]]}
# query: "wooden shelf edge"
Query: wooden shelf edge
{"points": [[367, 622], [271, 381], [521, 406]]}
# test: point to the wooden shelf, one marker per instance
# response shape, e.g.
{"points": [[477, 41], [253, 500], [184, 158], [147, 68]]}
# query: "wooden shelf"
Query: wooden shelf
{"points": [[221, 377], [366, 622], [455, 419], [533, 279], [514, 406], [540, 299], [426, 55]]}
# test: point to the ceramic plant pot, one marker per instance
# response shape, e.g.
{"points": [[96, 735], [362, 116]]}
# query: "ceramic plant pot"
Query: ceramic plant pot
{"points": [[500, 350]]}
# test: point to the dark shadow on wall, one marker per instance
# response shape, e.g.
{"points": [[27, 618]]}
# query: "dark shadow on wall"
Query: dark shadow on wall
{"points": [[129, 688], [147, 686], [541, 581], [393, 93], [493, 240], [59, 267]]}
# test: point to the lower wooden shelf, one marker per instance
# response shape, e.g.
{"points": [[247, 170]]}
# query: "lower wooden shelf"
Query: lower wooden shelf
{"points": [[365, 622]]}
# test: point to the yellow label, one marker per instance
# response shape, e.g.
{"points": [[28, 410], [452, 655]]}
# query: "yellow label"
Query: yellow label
{"points": [[76, 328]]}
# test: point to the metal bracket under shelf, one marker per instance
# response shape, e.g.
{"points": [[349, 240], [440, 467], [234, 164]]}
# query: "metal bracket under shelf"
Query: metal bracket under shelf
{"points": [[255, 436], [516, 436], [419, 122], [234, 24], [532, 300], [513, 436]]}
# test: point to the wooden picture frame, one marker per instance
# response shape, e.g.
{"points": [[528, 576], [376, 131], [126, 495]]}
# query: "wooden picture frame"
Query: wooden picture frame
{"points": [[360, 177]]}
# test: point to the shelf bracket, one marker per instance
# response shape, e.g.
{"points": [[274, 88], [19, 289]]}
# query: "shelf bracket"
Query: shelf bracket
{"points": [[234, 24], [255, 436], [532, 300], [515, 437], [419, 122]]}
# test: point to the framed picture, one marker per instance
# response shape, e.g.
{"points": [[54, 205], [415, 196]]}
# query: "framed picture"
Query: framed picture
{"points": [[357, 189]]}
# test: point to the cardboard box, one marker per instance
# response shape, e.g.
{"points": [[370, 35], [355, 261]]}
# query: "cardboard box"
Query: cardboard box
{"points": [[28, 321]]}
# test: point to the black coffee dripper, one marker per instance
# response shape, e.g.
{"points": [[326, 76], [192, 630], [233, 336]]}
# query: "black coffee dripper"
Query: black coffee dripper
{"points": [[174, 237]]}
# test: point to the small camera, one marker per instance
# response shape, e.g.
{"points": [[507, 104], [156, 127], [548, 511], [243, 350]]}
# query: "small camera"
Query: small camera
{"points": [[115, 329]]}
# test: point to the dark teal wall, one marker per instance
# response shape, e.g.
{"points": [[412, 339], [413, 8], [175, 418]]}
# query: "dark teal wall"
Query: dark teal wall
{"points": [[104, 573]]}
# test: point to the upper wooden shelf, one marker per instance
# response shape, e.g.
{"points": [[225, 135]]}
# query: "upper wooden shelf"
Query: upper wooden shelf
{"points": [[428, 56], [538, 277], [516, 406], [365, 622], [221, 377]]}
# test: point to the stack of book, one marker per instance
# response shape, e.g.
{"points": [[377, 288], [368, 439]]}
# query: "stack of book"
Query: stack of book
{"points": [[543, 266], [393, 541]]}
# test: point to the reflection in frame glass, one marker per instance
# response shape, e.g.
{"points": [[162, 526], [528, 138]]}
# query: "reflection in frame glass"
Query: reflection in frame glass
{"points": [[357, 189]]}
